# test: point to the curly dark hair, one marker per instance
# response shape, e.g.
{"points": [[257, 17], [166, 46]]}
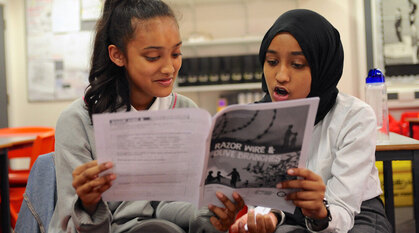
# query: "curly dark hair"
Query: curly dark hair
{"points": [[108, 87]]}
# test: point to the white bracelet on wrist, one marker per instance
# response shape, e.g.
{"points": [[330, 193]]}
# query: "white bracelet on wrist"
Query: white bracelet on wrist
{"points": [[259, 210]]}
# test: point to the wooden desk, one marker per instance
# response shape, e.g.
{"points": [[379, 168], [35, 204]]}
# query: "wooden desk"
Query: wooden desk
{"points": [[7, 143], [399, 148], [412, 122]]}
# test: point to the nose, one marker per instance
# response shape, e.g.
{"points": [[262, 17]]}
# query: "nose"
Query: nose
{"points": [[282, 74], [168, 66]]}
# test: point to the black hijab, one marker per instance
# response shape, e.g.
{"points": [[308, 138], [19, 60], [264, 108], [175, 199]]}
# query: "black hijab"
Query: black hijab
{"points": [[321, 46]]}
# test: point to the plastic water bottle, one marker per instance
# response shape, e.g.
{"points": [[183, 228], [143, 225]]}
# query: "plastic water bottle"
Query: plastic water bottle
{"points": [[376, 96]]}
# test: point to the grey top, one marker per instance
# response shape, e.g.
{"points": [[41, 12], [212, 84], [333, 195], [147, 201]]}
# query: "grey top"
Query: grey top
{"points": [[74, 146]]}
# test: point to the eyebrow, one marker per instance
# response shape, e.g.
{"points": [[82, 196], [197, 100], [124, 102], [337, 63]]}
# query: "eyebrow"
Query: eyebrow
{"points": [[297, 53], [159, 47]]}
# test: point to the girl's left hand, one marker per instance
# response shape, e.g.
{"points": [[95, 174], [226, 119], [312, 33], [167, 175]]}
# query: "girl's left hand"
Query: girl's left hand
{"points": [[259, 224], [225, 217], [310, 196]]}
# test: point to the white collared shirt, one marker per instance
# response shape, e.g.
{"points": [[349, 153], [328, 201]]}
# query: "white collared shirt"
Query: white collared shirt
{"points": [[342, 152], [160, 103]]}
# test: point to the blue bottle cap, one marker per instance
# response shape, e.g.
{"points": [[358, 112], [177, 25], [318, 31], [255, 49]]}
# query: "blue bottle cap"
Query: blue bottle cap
{"points": [[375, 76]]}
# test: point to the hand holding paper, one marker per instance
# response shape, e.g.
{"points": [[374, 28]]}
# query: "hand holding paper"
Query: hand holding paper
{"points": [[89, 185]]}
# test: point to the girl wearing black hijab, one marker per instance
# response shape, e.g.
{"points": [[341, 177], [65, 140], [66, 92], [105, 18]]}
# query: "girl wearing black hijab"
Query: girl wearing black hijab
{"points": [[302, 56]]}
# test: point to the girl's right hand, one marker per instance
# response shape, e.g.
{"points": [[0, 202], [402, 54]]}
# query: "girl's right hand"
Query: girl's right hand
{"points": [[89, 185]]}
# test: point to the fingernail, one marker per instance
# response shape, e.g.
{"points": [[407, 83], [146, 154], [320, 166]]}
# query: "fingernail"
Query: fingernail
{"points": [[279, 186], [108, 165], [219, 194], [291, 171]]}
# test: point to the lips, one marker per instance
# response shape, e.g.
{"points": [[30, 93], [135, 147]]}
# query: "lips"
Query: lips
{"points": [[280, 94], [165, 82]]}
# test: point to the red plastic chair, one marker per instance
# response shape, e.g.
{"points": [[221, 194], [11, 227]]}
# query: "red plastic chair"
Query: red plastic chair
{"points": [[405, 124], [44, 143], [16, 198], [394, 125]]}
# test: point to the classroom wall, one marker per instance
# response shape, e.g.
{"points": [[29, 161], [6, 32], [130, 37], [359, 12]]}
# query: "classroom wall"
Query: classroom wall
{"points": [[21, 112], [346, 15]]}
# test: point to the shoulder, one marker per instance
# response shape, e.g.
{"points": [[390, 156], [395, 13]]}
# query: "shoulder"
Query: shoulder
{"points": [[181, 101], [350, 113], [348, 106], [73, 118], [77, 109], [74, 132]]}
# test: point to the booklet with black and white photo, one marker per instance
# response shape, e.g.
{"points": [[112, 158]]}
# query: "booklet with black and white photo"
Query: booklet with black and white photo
{"points": [[187, 155]]}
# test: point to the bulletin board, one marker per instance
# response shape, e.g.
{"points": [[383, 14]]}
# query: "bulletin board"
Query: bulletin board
{"points": [[396, 37], [59, 45]]}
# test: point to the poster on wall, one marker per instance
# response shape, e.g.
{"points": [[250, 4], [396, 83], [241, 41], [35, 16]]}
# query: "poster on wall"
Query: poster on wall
{"points": [[59, 46], [400, 36]]}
